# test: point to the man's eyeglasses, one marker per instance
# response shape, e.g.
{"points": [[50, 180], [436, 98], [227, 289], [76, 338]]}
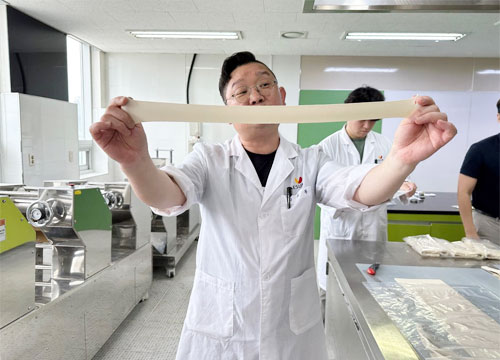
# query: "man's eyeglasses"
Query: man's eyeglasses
{"points": [[242, 94]]}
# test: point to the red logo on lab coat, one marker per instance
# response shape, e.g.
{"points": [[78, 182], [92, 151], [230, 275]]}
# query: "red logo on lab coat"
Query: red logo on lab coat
{"points": [[299, 180]]}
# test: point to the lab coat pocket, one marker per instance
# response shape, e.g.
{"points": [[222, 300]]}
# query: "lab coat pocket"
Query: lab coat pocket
{"points": [[296, 217], [338, 227], [304, 311], [211, 306]]}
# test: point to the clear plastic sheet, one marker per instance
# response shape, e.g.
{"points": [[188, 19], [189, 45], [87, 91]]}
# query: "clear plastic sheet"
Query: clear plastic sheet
{"points": [[429, 246], [434, 337]]}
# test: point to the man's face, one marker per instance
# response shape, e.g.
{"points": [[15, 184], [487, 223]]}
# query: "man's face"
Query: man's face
{"points": [[359, 129], [248, 77]]}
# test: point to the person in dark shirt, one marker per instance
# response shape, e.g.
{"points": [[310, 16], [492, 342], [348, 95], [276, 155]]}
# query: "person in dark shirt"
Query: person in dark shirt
{"points": [[479, 177]]}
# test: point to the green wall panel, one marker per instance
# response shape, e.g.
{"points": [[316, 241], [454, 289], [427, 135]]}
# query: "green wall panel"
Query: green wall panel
{"points": [[312, 134]]}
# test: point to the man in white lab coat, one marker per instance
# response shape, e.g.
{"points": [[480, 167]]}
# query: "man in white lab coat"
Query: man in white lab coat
{"points": [[354, 144], [255, 294]]}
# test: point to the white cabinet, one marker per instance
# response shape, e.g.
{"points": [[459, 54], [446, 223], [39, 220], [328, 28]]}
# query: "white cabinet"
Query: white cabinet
{"points": [[38, 139]]}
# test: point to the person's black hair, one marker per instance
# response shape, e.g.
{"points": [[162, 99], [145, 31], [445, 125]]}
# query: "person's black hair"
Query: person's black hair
{"points": [[498, 106], [230, 64], [364, 94]]}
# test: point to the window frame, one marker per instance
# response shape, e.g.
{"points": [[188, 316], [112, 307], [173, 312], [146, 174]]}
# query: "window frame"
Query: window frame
{"points": [[84, 104]]}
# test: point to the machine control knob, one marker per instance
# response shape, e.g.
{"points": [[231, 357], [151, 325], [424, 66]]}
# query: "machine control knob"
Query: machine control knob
{"points": [[39, 213], [110, 199], [119, 199], [58, 209]]}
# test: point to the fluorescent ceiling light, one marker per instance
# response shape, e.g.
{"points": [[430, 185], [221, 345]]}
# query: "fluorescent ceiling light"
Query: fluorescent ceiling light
{"points": [[212, 35], [402, 5], [403, 36], [489, 72], [360, 69]]}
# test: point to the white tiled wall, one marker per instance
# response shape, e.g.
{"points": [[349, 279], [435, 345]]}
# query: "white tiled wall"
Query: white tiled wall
{"points": [[399, 73], [458, 85], [163, 77]]}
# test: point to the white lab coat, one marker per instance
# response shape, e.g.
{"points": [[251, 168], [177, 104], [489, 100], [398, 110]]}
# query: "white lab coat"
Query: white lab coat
{"points": [[350, 224], [255, 294]]}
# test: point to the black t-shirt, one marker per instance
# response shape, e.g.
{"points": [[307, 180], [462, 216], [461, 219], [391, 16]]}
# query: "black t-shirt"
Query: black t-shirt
{"points": [[482, 162], [263, 164]]}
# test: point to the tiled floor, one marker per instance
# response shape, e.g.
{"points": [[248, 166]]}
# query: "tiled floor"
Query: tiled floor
{"points": [[153, 328]]}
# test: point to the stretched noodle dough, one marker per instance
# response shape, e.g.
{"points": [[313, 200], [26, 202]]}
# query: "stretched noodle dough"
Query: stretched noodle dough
{"points": [[145, 111]]}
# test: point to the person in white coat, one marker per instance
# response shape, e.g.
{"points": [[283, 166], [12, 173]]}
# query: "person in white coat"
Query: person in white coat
{"points": [[255, 294], [354, 144]]}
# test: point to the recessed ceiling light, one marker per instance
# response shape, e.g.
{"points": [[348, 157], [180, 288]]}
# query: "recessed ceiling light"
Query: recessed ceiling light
{"points": [[294, 34], [163, 34], [403, 36]]}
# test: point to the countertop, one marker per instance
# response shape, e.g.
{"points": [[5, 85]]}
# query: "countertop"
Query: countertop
{"points": [[442, 204], [350, 259]]}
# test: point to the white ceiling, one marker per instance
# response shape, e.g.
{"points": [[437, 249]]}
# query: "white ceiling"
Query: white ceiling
{"points": [[103, 23]]}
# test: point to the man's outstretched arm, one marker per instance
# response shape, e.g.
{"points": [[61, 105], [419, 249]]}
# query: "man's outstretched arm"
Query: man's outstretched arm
{"points": [[125, 142], [419, 136]]}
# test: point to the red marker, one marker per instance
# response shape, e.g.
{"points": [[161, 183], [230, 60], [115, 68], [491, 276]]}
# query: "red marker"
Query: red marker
{"points": [[372, 270]]}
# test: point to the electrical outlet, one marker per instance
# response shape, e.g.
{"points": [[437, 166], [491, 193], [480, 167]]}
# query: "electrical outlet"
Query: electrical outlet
{"points": [[31, 160], [70, 156]]}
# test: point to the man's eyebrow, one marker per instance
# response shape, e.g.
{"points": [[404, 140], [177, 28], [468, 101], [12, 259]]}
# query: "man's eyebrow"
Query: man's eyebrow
{"points": [[236, 82], [263, 72], [258, 73]]}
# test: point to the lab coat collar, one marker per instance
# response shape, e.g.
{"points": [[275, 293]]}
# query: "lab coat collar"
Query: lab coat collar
{"points": [[243, 163], [368, 150], [282, 166]]}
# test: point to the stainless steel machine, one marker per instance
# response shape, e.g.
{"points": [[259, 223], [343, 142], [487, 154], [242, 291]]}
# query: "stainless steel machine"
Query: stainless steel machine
{"points": [[17, 260], [80, 282], [72, 242], [131, 218], [172, 237]]}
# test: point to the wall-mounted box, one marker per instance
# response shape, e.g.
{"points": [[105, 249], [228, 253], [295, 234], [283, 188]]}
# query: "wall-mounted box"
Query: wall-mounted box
{"points": [[36, 135]]}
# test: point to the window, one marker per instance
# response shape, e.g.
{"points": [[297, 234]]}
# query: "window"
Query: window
{"points": [[84, 155], [80, 93]]}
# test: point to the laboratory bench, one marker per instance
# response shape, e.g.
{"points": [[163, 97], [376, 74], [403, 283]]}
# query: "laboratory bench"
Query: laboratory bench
{"points": [[435, 215], [363, 317]]}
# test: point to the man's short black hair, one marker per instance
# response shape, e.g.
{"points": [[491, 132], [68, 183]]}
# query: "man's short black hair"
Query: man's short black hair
{"points": [[498, 106], [230, 64], [364, 94]]}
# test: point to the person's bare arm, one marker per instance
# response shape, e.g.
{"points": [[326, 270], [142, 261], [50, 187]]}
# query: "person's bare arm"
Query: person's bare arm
{"points": [[466, 185], [125, 142], [382, 182], [153, 186], [419, 136], [409, 187]]}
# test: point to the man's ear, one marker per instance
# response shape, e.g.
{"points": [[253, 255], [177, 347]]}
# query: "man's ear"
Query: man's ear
{"points": [[283, 94]]}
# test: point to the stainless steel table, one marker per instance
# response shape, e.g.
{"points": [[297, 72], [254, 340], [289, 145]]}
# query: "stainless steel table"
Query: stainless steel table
{"points": [[441, 203], [356, 326]]}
